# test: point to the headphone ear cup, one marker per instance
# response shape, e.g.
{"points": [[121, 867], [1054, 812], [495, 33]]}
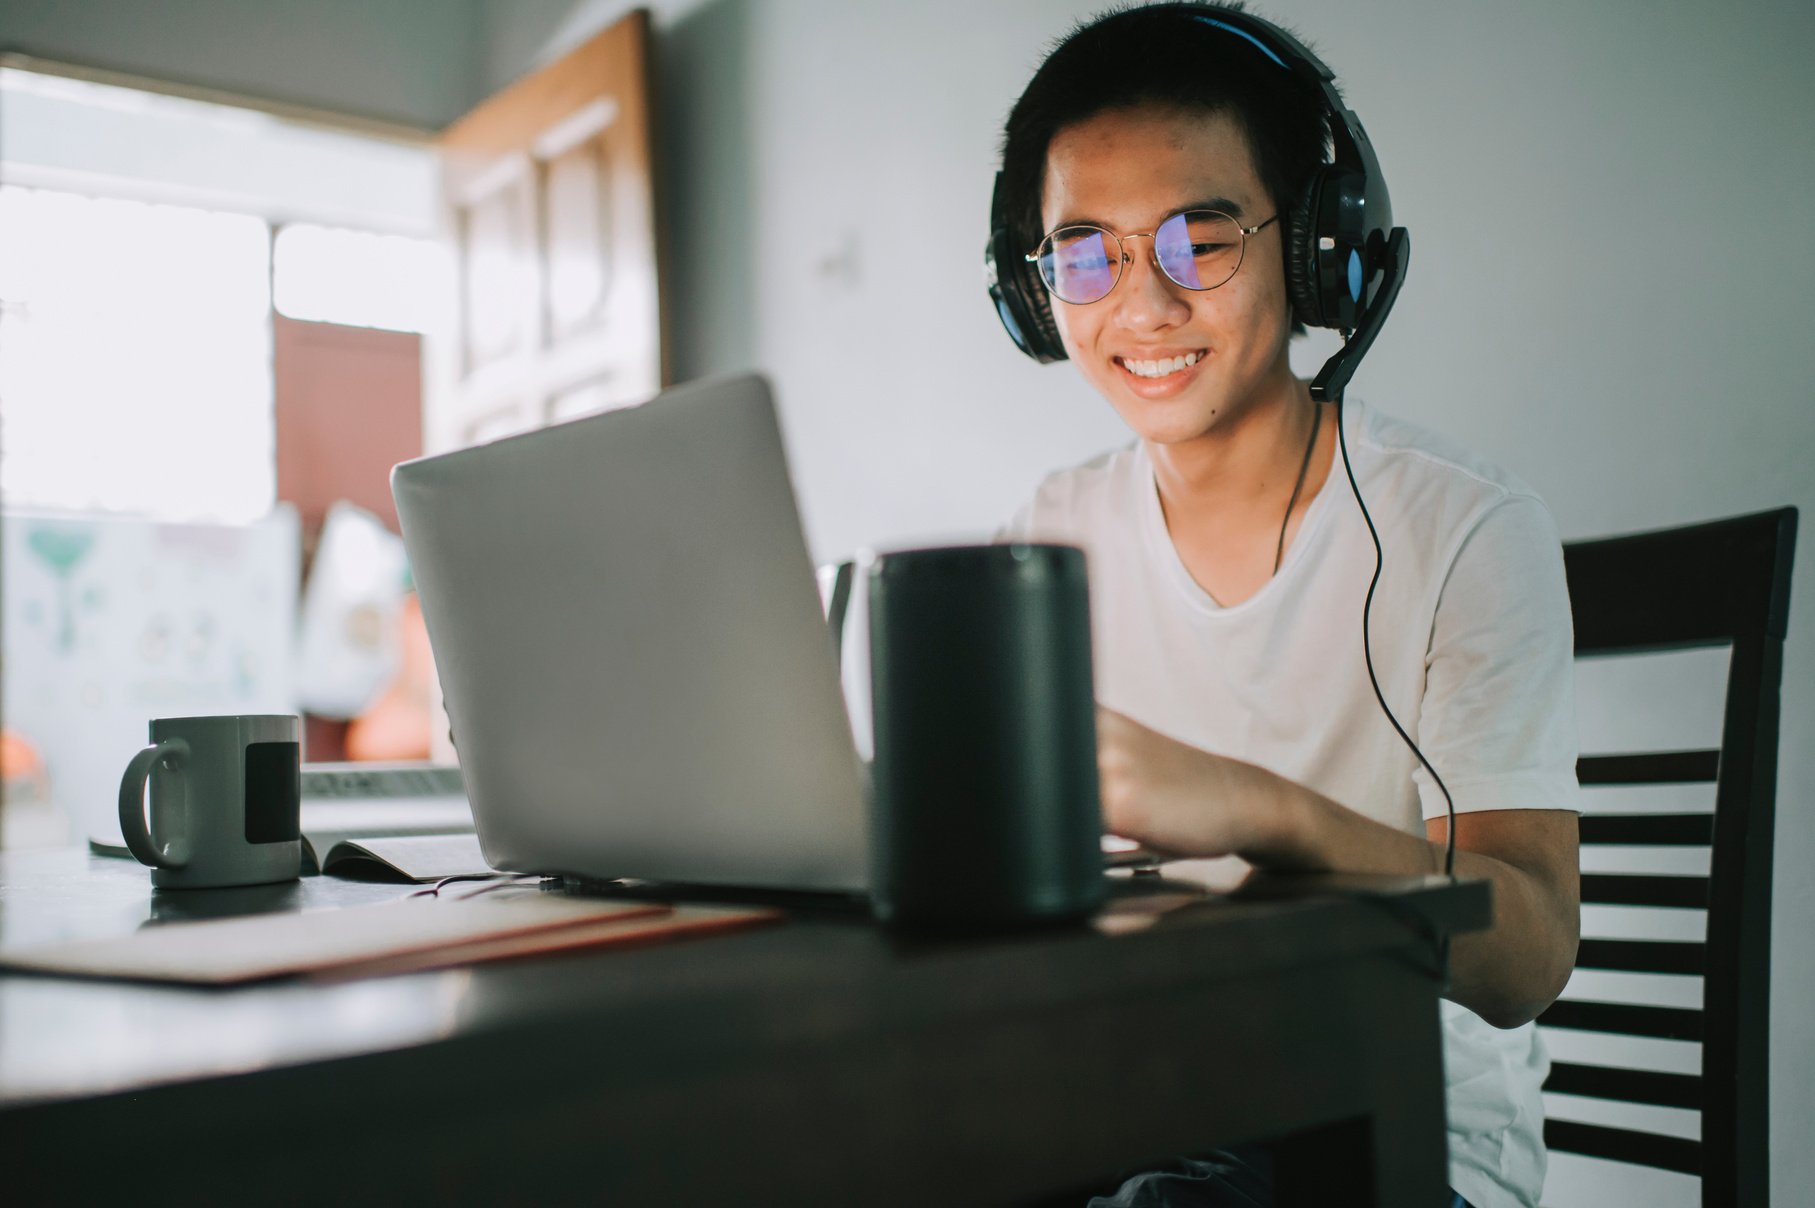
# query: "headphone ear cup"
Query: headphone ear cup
{"points": [[1020, 299], [1021, 302], [1301, 254], [1332, 250], [1043, 328]]}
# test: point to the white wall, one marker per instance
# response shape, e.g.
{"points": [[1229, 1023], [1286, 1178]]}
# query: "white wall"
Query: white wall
{"points": [[1611, 270], [415, 62]]}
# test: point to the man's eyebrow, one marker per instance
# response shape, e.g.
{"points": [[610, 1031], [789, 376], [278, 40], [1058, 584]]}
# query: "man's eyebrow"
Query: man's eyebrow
{"points": [[1227, 205]]}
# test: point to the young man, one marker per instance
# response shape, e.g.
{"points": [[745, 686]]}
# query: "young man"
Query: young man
{"points": [[1150, 172]]}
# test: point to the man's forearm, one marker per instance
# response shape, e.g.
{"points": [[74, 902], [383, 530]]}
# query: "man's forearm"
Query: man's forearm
{"points": [[1506, 974]]}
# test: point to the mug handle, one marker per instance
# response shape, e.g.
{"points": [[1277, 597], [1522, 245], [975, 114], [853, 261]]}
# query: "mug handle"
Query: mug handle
{"points": [[175, 853]]}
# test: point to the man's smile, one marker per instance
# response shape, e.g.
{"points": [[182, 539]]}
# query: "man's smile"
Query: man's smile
{"points": [[1162, 366], [1163, 374]]}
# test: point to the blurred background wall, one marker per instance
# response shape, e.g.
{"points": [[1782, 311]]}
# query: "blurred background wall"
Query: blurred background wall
{"points": [[415, 62], [1608, 205]]}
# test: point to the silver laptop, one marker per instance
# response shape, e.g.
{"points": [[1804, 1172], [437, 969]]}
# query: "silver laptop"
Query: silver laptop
{"points": [[630, 640]]}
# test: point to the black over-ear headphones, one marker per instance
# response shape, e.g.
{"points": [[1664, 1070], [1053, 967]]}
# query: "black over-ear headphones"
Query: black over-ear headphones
{"points": [[1345, 260]]}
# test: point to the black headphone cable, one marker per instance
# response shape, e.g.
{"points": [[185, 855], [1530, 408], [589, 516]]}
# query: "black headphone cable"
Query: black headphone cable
{"points": [[1367, 651]]}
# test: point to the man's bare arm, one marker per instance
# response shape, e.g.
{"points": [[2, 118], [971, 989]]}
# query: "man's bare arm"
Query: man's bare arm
{"points": [[1174, 798]]}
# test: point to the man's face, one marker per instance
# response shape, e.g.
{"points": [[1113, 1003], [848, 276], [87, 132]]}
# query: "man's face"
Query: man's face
{"points": [[1127, 171]]}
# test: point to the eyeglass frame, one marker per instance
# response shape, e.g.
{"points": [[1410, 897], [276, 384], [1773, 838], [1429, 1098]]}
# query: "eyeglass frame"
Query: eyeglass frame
{"points": [[1124, 259]]}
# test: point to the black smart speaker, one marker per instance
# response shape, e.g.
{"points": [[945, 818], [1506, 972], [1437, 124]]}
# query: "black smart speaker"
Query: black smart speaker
{"points": [[985, 778]]}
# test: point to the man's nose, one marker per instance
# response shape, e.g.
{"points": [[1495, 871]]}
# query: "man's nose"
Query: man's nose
{"points": [[1148, 299]]}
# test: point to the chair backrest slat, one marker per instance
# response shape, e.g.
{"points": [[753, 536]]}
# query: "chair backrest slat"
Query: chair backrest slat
{"points": [[1624, 1145], [1648, 830], [1652, 767], [1675, 589], [1629, 1019], [1636, 889], [1643, 956], [1624, 1085]]}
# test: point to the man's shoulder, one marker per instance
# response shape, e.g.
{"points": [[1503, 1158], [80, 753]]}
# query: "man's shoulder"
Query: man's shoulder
{"points": [[1440, 496], [1098, 472], [1420, 460], [1081, 496]]}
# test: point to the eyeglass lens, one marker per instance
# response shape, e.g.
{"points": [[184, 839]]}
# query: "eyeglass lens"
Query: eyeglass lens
{"points": [[1199, 249]]}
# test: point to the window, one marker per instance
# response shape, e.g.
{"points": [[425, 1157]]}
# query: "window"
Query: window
{"points": [[137, 272], [135, 358], [360, 279]]}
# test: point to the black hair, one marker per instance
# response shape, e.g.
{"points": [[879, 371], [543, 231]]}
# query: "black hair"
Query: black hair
{"points": [[1155, 55]]}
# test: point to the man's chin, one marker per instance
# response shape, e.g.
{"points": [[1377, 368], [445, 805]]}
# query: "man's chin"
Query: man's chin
{"points": [[1158, 424]]}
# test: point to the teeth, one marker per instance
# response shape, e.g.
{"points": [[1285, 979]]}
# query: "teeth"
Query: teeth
{"points": [[1154, 369]]}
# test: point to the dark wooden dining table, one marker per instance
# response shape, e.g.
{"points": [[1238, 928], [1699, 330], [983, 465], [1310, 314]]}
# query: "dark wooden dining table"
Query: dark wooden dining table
{"points": [[818, 1060]]}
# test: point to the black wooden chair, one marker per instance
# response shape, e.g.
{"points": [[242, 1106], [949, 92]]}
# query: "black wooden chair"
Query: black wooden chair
{"points": [[1716, 584]]}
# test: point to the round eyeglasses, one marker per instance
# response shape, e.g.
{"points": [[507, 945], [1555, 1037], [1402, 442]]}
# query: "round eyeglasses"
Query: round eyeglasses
{"points": [[1198, 249]]}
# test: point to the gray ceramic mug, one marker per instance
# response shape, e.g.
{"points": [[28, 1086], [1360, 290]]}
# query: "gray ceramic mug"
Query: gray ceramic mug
{"points": [[226, 801]]}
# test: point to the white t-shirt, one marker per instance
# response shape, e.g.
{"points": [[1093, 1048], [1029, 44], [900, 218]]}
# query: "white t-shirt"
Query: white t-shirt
{"points": [[1473, 646]]}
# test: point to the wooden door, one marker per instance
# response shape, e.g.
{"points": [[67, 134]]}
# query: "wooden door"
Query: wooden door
{"points": [[550, 207]]}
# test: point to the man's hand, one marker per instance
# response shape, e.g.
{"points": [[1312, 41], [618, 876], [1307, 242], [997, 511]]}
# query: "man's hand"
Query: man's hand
{"points": [[1171, 798]]}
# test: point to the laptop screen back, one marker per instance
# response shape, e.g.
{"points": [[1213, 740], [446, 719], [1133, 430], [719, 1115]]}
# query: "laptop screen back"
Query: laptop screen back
{"points": [[631, 645]]}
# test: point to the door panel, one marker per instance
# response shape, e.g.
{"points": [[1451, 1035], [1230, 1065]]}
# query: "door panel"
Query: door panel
{"points": [[497, 256]]}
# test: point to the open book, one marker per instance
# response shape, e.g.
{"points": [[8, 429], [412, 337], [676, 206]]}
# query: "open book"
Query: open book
{"points": [[350, 804], [404, 858]]}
